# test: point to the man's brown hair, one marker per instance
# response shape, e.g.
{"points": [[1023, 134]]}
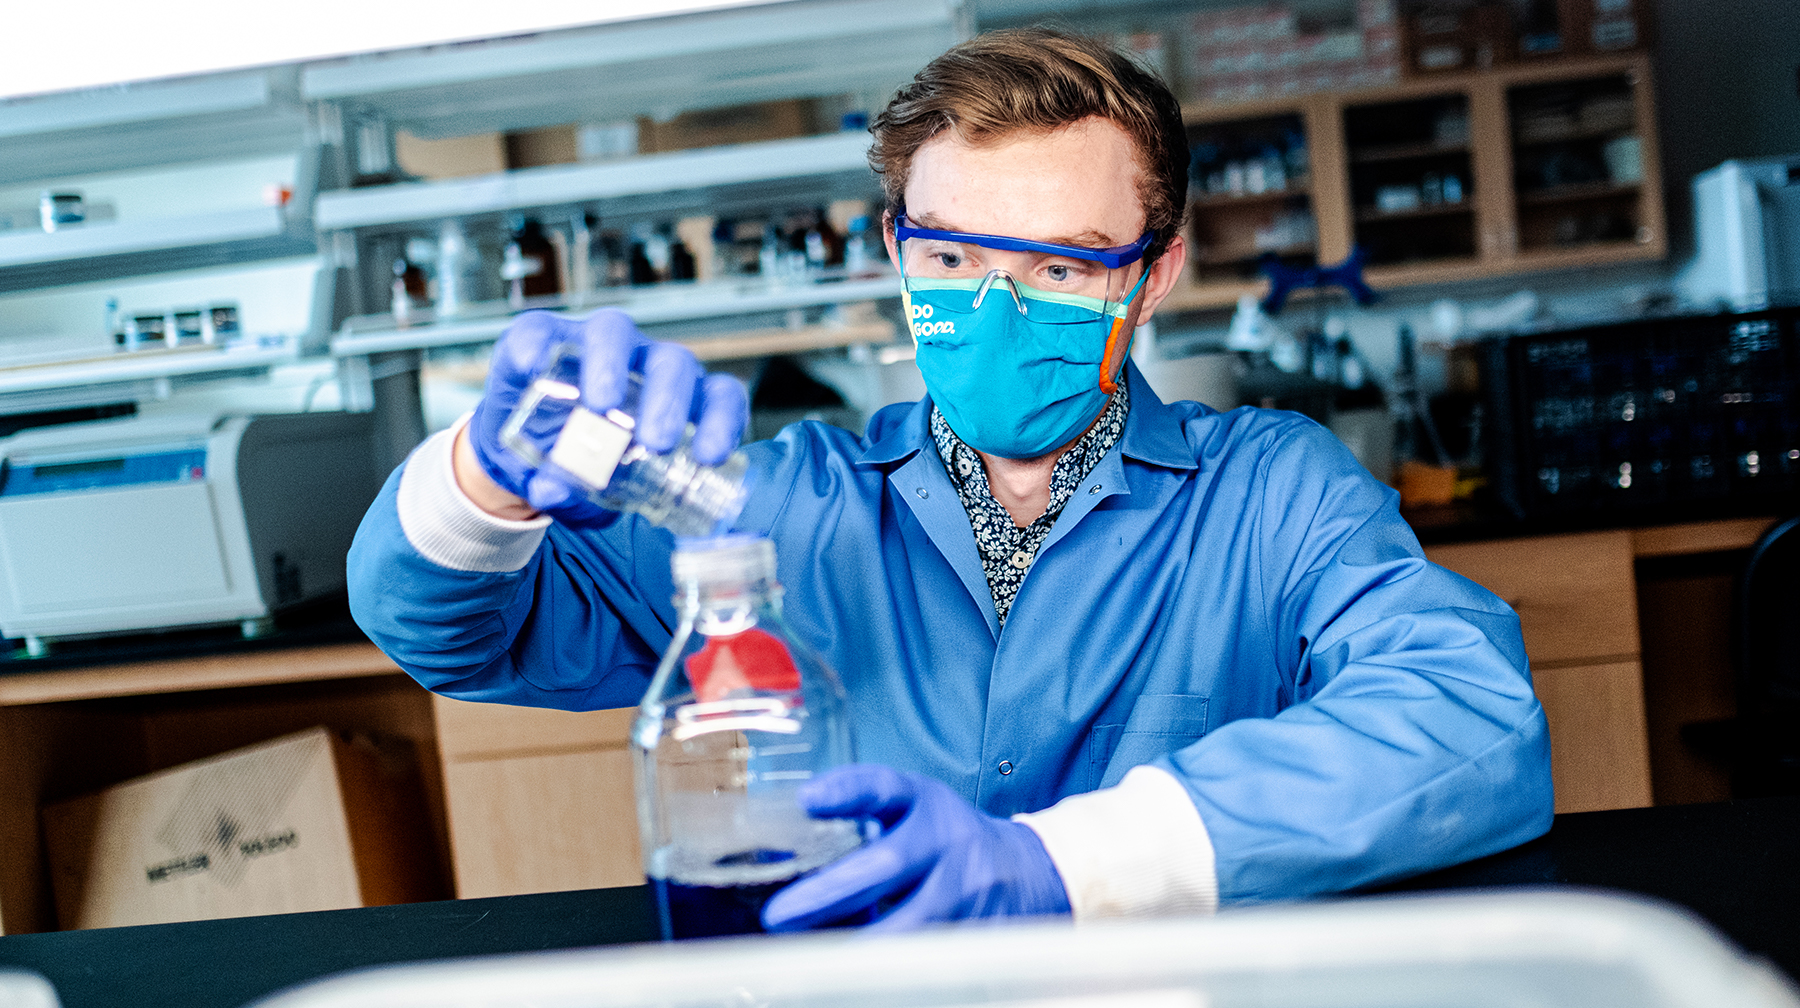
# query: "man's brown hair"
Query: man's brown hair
{"points": [[1038, 80]]}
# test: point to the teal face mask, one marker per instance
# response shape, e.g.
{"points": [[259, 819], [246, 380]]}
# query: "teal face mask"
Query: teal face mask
{"points": [[1017, 372]]}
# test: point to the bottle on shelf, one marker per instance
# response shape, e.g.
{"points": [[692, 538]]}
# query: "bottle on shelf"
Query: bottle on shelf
{"points": [[409, 290], [608, 262], [581, 258], [699, 243], [682, 265], [529, 264], [856, 247], [1422, 468], [824, 246], [114, 324], [739, 715], [768, 255], [1359, 410], [550, 429], [457, 264], [649, 255]]}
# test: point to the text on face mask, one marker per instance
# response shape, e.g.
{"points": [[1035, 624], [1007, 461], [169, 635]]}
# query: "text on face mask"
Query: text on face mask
{"points": [[924, 329]]}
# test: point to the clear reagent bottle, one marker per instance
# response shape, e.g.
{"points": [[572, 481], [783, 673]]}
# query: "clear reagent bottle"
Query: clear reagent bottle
{"points": [[599, 453], [739, 715]]}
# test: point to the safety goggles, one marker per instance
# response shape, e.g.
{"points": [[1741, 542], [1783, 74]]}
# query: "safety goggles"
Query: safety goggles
{"points": [[1066, 283]]}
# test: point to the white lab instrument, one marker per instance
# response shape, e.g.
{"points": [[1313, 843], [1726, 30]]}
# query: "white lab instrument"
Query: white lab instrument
{"points": [[1746, 232], [151, 522]]}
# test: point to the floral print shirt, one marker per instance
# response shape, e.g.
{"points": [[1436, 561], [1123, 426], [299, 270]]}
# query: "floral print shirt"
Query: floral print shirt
{"points": [[1007, 551]]}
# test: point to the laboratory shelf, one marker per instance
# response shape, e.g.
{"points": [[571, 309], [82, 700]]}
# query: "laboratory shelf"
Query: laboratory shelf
{"points": [[131, 126], [657, 68], [652, 307], [133, 103], [85, 241], [566, 184], [137, 366]]}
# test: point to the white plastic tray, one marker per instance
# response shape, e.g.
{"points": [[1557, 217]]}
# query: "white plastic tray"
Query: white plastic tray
{"points": [[1534, 949]]}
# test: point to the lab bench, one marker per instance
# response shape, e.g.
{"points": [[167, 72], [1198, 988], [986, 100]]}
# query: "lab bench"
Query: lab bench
{"points": [[1730, 863], [529, 800]]}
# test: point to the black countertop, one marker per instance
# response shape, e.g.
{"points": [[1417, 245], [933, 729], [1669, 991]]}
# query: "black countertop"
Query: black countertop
{"points": [[321, 621], [1733, 863], [1484, 518]]}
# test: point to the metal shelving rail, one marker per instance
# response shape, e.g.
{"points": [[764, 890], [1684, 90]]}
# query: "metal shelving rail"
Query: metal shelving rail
{"points": [[706, 168], [714, 300]]}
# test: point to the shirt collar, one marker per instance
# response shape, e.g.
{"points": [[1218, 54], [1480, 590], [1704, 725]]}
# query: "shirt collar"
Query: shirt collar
{"points": [[1153, 431]]}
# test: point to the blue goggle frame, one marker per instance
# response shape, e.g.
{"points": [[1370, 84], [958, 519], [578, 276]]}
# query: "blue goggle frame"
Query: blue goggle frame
{"points": [[1111, 258]]}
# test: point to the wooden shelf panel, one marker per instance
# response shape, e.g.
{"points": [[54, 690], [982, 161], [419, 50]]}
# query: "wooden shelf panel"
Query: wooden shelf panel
{"points": [[1575, 135], [1577, 192], [1699, 537], [1582, 256], [1236, 254], [1219, 201], [203, 672], [1401, 152], [1191, 296], [1370, 215]]}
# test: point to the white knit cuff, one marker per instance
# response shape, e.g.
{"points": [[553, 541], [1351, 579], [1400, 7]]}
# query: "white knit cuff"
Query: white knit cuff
{"points": [[1135, 850], [448, 528]]}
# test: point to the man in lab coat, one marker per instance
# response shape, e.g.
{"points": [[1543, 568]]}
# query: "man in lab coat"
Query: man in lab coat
{"points": [[1106, 656]]}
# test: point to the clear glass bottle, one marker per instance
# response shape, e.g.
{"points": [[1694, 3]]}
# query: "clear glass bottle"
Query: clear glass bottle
{"points": [[550, 429], [739, 716]]}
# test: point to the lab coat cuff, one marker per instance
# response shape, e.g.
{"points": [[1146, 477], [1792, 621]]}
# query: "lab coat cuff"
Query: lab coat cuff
{"points": [[448, 528], [1135, 850]]}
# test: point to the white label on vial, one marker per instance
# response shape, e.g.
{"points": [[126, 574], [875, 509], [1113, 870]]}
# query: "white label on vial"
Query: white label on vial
{"points": [[590, 447]]}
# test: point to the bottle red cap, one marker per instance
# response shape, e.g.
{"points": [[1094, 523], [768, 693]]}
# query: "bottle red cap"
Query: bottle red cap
{"points": [[753, 659]]}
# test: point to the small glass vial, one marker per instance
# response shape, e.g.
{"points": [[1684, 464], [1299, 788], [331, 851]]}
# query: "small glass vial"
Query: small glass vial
{"points": [[739, 716], [599, 453]]}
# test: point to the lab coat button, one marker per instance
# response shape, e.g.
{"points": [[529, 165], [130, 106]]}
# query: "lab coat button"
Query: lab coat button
{"points": [[1094, 489], [923, 493], [1005, 767]]}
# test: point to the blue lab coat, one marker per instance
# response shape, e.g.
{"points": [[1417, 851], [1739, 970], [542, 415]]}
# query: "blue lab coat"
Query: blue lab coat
{"points": [[1229, 597]]}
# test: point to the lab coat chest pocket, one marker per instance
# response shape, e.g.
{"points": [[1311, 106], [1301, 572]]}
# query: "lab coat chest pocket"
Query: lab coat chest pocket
{"points": [[1159, 724]]}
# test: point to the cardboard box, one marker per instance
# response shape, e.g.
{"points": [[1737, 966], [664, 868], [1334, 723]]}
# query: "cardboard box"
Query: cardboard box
{"points": [[455, 157], [308, 821], [551, 145], [736, 124]]}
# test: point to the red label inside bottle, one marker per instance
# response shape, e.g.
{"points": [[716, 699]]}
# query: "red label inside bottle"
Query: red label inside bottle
{"points": [[752, 659]]}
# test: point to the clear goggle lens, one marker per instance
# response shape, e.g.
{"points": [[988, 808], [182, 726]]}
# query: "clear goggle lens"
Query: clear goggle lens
{"points": [[1044, 273]]}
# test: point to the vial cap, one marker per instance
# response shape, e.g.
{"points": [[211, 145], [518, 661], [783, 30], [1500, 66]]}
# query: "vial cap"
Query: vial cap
{"points": [[723, 558]]}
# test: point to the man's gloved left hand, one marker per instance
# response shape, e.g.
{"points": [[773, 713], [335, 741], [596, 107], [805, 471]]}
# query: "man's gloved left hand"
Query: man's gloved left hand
{"points": [[955, 860]]}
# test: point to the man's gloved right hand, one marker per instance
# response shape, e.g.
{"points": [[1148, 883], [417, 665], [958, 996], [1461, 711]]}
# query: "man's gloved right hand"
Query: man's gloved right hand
{"points": [[675, 392]]}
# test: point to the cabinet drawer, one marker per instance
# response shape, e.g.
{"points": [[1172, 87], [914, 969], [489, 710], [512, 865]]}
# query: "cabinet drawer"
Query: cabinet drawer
{"points": [[1599, 749], [538, 800], [1576, 595], [545, 823]]}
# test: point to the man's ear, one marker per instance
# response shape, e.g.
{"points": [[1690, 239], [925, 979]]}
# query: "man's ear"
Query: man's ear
{"points": [[1165, 273], [887, 236]]}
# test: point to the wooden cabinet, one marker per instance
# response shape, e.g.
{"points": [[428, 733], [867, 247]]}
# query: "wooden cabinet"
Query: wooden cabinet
{"points": [[71, 731], [1577, 603], [1455, 177], [538, 800], [1576, 596]]}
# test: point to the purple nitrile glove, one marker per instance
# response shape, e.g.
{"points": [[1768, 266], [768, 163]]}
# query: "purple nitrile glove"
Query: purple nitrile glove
{"points": [[954, 860], [675, 391]]}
